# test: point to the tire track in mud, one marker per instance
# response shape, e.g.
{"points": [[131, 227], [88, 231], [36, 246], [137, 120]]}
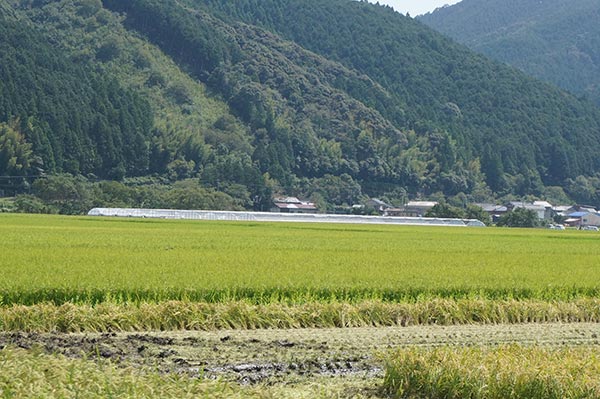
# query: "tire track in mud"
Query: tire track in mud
{"points": [[288, 356]]}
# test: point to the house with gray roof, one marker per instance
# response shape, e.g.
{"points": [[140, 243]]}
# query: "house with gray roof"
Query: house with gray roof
{"points": [[543, 212], [412, 209]]}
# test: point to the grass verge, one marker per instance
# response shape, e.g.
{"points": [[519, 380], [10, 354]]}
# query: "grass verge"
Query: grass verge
{"points": [[503, 372]]}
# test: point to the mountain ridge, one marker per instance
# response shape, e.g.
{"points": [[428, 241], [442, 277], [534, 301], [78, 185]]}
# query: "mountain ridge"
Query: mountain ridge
{"points": [[252, 101], [554, 40]]}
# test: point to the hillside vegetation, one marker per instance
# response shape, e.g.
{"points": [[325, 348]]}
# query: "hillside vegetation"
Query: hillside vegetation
{"points": [[74, 118], [490, 110], [556, 40], [325, 100]]}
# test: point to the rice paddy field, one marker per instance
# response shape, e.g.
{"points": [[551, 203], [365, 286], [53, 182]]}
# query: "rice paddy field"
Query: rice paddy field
{"points": [[85, 260], [75, 277]]}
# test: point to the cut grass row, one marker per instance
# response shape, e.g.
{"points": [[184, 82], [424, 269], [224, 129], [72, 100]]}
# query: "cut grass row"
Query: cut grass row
{"points": [[171, 316], [91, 261], [503, 372]]}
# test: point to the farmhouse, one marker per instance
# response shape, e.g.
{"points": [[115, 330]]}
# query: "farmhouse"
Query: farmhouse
{"points": [[566, 210], [543, 210], [580, 208], [495, 211], [412, 209], [377, 204], [562, 210], [293, 205], [583, 219]]}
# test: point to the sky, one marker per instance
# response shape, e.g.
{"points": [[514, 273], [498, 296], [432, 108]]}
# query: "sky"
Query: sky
{"points": [[415, 7]]}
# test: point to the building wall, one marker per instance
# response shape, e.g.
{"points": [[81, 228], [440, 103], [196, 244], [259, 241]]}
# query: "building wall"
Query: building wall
{"points": [[591, 219]]}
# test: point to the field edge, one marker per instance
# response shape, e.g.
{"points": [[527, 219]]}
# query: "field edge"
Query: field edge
{"points": [[200, 316]]}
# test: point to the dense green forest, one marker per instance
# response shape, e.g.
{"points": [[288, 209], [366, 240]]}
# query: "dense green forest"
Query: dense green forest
{"points": [[555, 40], [75, 119], [487, 108], [237, 101]]}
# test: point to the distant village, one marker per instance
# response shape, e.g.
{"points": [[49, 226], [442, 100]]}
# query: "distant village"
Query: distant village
{"points": [[557, 217]]}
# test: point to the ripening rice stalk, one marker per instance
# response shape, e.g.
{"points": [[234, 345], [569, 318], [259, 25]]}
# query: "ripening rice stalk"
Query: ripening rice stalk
{"points": [[288, 295], [93, 261], [502, 372], [32, 374], [183, 315]]}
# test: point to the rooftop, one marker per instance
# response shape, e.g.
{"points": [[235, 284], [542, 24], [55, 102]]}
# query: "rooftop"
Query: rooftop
{"points": [[492, 207], [304, 205], [430, 204], [378, 202], [581, 214], [287, 200], [527, 205]]}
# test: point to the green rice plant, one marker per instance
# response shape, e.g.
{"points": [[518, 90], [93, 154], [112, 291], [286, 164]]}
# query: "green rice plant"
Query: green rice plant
{"points": [[181, 315], [299, 295], [489, 373], [55, 259]]}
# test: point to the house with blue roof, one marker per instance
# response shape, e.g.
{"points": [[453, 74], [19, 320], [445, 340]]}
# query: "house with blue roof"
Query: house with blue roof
{"points": [[583, 219]]}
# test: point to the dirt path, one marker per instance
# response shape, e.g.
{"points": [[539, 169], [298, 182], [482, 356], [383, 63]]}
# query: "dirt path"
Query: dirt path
{"points": [[290, 356]]}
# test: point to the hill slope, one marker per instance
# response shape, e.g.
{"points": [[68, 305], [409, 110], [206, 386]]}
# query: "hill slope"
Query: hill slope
{"points": [[325, 99], [554, 40], [486, 107], [76, 119]]}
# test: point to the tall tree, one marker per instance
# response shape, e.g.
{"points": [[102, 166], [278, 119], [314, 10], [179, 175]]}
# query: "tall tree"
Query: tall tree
{"points": [[15, 152]]}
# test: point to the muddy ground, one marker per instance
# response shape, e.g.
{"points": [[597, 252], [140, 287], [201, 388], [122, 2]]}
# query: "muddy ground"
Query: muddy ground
{"points": [[289, 356]]}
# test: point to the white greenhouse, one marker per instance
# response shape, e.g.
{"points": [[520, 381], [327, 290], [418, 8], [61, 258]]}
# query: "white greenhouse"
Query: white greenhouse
{"points": [[279, 217]]}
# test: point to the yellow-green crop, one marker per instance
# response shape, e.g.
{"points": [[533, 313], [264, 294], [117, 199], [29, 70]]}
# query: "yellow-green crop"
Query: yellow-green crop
{"points": [[494, 373], [31, 374], [186, 315], [86, 260]]}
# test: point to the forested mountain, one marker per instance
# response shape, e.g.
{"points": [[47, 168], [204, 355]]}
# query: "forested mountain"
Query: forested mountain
{"points": [[554, 40], [323, 99], [74, 118], [490, 111]]}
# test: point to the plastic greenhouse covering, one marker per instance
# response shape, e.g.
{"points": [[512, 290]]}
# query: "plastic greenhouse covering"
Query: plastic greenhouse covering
{"points": [[279, 217]]}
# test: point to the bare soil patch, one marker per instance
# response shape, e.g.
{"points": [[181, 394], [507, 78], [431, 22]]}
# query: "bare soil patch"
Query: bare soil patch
{"points": [[289, 356]]}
